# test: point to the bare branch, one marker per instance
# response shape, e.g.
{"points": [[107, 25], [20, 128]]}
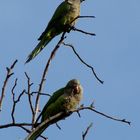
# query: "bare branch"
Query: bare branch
{"points": [[58, 117], [102, 114], [9, 74], [21, 125], [69, 45], [84, 32], [36, 132], [86, 132], [15, 125], [15, 101], [13, 109], [24, 128], [13, 65], [44, 94], [58, 126], [82, 17], [45, 73], [86, 17], [29, 95]]}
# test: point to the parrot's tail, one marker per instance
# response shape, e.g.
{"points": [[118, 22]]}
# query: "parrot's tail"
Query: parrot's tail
{"points": [[41, 45], [35, 133]]}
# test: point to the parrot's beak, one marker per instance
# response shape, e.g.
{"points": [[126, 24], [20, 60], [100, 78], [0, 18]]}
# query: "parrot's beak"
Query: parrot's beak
{"points": [[76, 89]]}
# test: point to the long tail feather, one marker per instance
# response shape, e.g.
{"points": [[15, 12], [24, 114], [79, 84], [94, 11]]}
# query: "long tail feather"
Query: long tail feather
{"points": [[36, 133], [38, 49]]}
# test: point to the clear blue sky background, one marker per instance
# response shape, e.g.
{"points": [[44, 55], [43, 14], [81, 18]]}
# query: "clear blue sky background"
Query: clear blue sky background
{"points": [[114, 53]]}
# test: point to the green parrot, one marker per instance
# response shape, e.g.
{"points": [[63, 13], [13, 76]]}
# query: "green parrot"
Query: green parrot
{"points": [[63, 18], [64, 100]]}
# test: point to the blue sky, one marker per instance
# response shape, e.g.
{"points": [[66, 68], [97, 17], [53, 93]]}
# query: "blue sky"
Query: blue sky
{"points": [[114, 53]]}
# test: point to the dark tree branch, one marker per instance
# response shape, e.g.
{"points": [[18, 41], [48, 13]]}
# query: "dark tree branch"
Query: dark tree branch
{"points": [[79, 30], [69, 45], [15, 125], [29, 95], [21, 125], [102, 114], [13, 96], [15, 101], [24, 128], [62, 115], [45, 73], [58, 126], [84, 32], [58, 117], [86, 17], [82, 17], [9, 74], [44, 94], [86, 132]]}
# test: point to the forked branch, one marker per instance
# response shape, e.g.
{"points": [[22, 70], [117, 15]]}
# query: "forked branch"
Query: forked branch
{"points": [[8, 75]]}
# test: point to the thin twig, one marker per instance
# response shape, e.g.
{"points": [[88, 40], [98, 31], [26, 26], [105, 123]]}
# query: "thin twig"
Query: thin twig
{"points": [[8, 75], [82, 17], [13, 109], [86, 132], [24, 128], [21, 125], [58, 126], [15, 125], [29, 95], [15, 101], [44, 94], [102, 114], [84, 32], [44, 75], [86, 17], [89, 66]]}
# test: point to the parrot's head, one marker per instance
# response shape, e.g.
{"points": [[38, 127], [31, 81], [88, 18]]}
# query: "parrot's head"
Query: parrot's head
{"points": [[75, 85]]}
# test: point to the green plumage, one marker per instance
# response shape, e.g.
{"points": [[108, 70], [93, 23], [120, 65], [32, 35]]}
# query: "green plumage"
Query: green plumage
{"points": [[63, 100], [61, 21]]}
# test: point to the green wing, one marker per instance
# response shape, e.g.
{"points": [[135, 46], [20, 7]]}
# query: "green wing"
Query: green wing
{"points": [[35, 133], [53, 98], [61, 10]]}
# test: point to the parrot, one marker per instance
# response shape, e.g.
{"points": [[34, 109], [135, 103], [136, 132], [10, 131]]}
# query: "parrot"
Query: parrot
{"points": [[62, 20], [64, 100]]}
